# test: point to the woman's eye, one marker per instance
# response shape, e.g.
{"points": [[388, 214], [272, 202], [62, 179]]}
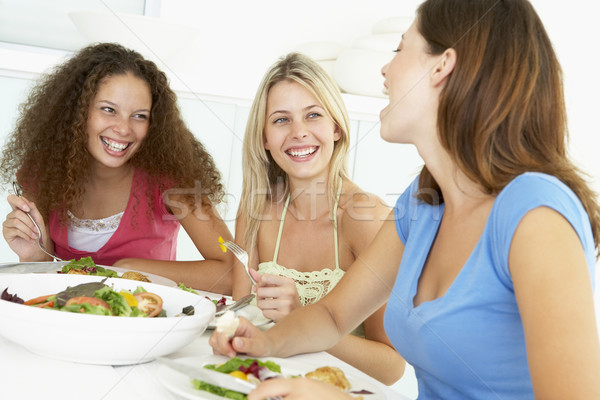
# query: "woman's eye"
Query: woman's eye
{"points": [[280, 120], [140, 116], [314, 115], [108, 109]]}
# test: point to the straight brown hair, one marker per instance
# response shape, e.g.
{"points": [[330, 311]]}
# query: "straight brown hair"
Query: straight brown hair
{"points": [[502, 111]]}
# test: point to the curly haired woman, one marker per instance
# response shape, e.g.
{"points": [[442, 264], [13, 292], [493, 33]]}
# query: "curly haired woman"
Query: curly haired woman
{"points": [[110, 170]]}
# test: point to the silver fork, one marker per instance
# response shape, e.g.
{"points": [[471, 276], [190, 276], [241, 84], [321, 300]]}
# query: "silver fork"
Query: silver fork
{"points": [[18, 192], [241, 255]]}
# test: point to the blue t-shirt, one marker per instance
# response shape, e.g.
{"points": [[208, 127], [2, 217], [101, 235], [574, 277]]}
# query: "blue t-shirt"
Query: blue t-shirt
{"points": [[469, 343]]}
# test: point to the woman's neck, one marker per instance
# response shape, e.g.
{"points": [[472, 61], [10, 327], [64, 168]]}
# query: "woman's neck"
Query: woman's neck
{"points": [[459, 191], [309, 200], [105, 177]]}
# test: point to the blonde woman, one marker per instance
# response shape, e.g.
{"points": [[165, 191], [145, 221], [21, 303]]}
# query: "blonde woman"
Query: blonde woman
{"points": [[301, 218]]}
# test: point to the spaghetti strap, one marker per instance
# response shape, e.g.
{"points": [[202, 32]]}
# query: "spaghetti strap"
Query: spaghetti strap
{"points": [[287, 202], [335, 232]]}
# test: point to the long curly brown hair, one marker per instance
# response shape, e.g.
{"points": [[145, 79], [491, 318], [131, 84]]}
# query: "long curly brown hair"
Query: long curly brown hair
{"points": [[47, 150]]}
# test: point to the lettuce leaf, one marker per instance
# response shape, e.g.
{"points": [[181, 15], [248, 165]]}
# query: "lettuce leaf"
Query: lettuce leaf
{"points": [[85, 289], [87, 309], [187, 289], [219, 391], [116, 301], [235, 363], [88, 265]]}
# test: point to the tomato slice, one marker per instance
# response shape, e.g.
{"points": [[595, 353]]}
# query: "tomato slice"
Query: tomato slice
{"points": [[39, 301], [92, 301], [48, 304], [149, 303]]}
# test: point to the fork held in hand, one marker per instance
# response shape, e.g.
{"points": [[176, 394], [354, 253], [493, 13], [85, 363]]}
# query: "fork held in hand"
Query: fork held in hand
{"points": [[18, 193], [241, 255]]}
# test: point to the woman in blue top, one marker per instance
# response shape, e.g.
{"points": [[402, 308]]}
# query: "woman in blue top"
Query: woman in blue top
{"points": [[488, 263]]}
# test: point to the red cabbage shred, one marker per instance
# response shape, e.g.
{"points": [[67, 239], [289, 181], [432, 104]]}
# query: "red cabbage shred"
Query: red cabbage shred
{"points": [[11, 297]]}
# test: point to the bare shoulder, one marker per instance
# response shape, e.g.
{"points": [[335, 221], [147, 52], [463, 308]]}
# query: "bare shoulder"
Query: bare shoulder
{"points": [[361, 207], [363, 215]]}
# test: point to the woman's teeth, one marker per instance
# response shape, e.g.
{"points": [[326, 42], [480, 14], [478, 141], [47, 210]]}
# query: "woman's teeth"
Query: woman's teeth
{"points": [[114, 146], [302, 152]]}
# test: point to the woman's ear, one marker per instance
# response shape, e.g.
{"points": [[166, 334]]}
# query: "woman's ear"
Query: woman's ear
{"points": [[337, 133], [444, 67]]}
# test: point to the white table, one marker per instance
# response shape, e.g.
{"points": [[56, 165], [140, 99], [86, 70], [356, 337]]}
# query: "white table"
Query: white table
{"points": [[25, 376]]}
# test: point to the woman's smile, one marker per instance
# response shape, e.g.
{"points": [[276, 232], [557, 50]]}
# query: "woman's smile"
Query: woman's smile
{"points": [[301, 154], [113, 146]]}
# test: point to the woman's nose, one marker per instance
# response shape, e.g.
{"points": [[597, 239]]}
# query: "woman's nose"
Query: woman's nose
{"points": [[121, 126], [299, 130], [384, 69]]}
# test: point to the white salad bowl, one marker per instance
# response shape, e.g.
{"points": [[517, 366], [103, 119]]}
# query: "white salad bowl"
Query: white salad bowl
{"points": [[97, 339]]}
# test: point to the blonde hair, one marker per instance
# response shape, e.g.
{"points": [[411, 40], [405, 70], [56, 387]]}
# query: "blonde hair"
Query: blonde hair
{"points": [[264, 180]]}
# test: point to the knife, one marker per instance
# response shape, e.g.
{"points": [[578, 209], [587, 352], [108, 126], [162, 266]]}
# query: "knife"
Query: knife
{"points": [[209, 376], [241, 303]]}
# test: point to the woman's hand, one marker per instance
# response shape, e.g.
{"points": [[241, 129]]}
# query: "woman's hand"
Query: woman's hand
{"points": [[297, 389], [276, 296], [20, 233], [247, 339]]}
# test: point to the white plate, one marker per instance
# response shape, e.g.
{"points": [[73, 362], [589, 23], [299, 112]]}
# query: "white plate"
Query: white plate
{"points": [[181, 385], [52, 267], [251, 312], [98, 339]]}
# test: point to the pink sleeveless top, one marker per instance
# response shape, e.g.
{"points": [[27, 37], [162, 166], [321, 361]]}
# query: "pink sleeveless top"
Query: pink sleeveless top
{"points": [[137, 235]]}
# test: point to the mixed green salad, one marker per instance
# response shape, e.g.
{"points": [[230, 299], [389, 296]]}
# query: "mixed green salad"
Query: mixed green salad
{"points": [[86, 265], [100, 299], [249, 369]]}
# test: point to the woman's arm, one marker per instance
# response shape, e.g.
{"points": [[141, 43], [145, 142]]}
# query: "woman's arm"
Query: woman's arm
{"points": [[554, 294], [21, 234], [364, 289], [213, 274], [298, 389], [373, 354]]}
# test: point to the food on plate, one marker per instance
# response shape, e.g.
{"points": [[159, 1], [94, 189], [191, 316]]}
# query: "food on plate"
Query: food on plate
{"points": [[249, 369], [86, 266], [256, 371], [187, 289], [331, 375], [135, 276], [228, 323], [100, 299], [78, 271]]}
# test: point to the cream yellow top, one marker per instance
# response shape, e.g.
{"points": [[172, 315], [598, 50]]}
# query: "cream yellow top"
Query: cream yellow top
{"points": [[313, 285]]}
